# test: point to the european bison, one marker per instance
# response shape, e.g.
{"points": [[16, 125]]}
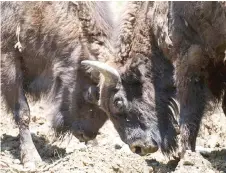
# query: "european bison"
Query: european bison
{"points": [[42, 45], [193, 36], [137, 89]]}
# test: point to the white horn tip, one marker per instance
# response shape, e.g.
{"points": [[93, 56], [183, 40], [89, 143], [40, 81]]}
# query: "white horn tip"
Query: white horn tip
{"points": [[101, 65]]}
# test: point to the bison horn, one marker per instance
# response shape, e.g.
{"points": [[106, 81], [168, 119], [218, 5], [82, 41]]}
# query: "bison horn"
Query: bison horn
{"points": [[111, 75]]}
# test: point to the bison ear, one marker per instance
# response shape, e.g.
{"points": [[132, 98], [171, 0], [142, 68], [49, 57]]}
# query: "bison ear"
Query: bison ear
{"points": [[111, 75]]}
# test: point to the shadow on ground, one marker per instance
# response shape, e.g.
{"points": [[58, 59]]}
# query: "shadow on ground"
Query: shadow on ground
{"points": [[47, 151], [218, 159], [161, 167]]}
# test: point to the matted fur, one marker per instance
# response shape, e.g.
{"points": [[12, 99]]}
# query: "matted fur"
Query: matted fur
{"points": [[147, 84], [192, 36], [51, 39]]}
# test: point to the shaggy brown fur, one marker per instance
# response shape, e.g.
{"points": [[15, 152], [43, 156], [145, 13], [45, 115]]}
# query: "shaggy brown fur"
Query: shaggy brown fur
{"points": [[139, 103], [51, 39], [192, 35]]}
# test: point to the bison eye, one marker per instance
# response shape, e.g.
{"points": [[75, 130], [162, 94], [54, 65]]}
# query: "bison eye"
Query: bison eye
{"points": [[119, 104]]}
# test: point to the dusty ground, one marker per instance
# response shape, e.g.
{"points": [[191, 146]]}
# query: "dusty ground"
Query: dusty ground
{"points": [[108, 153]]}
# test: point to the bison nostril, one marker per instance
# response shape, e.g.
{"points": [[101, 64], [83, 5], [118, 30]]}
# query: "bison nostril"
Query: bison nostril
{"points": [[87, 137], [138, 150], [142, 150]]}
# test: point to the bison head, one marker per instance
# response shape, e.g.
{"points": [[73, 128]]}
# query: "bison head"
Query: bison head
{"points": [[78, 112], [142, 115]]}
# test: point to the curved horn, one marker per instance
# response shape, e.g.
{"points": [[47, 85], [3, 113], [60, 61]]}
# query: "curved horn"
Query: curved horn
{"points": [[111, 75]]}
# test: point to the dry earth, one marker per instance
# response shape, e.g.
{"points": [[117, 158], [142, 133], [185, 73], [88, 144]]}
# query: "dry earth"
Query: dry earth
{"points": [[108, 153]]}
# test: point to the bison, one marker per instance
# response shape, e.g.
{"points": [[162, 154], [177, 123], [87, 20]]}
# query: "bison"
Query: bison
{"points": [[42, 45], [193, 36], [165, 50], [136, 87]]}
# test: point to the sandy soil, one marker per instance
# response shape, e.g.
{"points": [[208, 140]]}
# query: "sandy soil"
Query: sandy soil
{"points": [[108, 153]]}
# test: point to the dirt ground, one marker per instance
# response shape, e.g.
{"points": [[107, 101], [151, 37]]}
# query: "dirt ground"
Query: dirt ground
{"points": [[108, 153]]}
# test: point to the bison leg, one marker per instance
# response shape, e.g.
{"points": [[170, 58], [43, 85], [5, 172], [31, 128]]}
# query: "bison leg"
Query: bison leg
{"points": [[29, 154], [191, 94], [16, 102]]}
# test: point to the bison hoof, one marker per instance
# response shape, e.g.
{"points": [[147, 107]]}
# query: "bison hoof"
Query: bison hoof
{"points": [[30, 159]]}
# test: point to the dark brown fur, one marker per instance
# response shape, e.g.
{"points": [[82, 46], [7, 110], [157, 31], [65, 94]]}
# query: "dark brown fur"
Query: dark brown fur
{"points": [[148, 83], [55, 37], [192, 35], [138, 106]]}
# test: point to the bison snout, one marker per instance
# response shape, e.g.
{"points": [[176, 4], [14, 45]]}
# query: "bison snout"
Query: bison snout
{"points": [[84, 137], [83, 134], [143, 150]]}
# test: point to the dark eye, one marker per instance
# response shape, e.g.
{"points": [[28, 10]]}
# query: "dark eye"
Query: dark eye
{"points": [[119, 103]]}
